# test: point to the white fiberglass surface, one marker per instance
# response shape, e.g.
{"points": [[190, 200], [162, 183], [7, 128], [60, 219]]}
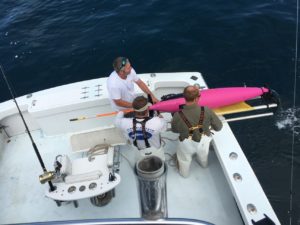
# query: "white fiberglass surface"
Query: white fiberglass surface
{"points": [[205, 195]]}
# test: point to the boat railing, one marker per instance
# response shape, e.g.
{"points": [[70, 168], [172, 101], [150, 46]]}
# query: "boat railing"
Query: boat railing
{"points": [[131, 221]]}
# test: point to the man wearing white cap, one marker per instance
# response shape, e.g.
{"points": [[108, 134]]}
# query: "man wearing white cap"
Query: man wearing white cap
{"points": [[142, 131]]}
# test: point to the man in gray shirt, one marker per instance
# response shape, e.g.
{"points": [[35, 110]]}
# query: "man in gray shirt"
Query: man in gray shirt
{"points": [[193, 123]]}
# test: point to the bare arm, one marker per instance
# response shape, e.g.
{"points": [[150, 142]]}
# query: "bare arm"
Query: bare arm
{"points": [[145, 89], [122, 103]]}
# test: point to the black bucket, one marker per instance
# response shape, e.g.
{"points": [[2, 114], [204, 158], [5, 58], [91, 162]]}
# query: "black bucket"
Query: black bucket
{"points": [[151, 173]]}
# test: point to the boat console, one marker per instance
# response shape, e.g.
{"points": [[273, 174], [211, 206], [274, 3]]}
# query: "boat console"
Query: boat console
{"points": [[92, 175]]}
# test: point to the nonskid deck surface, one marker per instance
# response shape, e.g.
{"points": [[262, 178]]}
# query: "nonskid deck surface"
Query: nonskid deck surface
{"points": [[205, 195]]}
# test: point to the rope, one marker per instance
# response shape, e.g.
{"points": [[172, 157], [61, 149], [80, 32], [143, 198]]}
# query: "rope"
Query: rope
{"points": [[172, 161], [294, 114], [97, 150]]}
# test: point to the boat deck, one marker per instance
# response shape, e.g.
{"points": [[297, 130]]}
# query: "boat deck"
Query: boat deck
{"points": [[205, 195], [226, 192]]}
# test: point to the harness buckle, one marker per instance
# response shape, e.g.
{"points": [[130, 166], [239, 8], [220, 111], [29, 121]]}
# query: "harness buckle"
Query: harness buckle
{"points": [[195, 127]]}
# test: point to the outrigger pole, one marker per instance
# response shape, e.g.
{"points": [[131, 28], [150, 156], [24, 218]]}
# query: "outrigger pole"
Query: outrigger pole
{"points": [[222, 111], [52, 187]]}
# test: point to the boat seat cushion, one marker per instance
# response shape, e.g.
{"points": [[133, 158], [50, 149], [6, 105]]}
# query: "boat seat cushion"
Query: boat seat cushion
{"points": [[94, 175]]}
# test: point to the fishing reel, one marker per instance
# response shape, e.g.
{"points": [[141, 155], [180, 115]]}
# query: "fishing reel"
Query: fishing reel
{"points": [[52, 175], [46, 177]]}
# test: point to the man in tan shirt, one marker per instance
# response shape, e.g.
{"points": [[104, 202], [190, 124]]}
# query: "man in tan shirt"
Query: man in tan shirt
{"points": [[193, 123]]}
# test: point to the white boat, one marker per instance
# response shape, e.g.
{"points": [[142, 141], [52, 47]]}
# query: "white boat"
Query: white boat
{"points": [[106, 190]]}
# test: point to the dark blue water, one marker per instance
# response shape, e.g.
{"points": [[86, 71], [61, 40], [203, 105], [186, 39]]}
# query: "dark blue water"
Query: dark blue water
{"points": [[49, 43]]}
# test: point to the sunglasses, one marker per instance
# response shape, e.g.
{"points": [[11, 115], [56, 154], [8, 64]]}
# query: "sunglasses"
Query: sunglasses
{"points": [[123, 63]]}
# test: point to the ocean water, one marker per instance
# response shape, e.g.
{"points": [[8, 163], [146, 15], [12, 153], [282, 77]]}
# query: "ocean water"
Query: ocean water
{"points": [[232, 43]]}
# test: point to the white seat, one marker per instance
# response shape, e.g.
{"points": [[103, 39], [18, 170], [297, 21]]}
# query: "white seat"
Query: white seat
{"points": [[91, 175], [94, 175], [66, 165], [91, 167]]}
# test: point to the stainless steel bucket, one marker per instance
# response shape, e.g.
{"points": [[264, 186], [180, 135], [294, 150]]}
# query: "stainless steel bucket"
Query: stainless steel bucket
{"points": [[151, 173]]}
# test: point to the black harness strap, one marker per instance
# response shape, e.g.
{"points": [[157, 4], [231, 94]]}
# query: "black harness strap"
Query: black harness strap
{"points": [[189, 125], [143, 123], [151, 112], [201, 119]]}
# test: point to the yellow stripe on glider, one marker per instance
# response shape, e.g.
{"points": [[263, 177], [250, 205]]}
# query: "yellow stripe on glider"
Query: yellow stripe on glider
{"points": [[235, 108]]}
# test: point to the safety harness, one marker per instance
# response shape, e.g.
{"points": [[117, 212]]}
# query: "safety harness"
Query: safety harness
{"points": [[143, 124], [189, 125]]}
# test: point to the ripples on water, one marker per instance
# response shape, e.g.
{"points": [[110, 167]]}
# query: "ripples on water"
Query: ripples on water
{"points": [[289, 121], [288, 118], [77, 40]]}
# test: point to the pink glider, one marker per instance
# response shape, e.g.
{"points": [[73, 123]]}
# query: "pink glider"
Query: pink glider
{"points": [[214, 98]]}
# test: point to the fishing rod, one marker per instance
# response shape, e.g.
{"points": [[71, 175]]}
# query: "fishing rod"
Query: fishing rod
{"points": [[99, 115], [46, 177], [151, 113]]}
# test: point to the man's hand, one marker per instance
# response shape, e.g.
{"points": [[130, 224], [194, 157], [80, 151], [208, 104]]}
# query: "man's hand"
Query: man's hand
{"points": [[146, 90], [154, 99]]}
